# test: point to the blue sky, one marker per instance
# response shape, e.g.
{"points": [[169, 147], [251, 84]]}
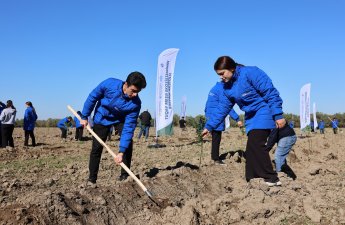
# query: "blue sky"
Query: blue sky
{"points": [[54, 53]]}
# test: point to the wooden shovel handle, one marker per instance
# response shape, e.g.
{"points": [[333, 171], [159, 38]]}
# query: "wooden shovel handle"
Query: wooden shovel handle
{"points": [[109, 150]]}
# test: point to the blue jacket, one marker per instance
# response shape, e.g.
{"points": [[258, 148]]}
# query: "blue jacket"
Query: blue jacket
{"points": [[30, 118], [64, 123], [252, 90], [212, 105], [77, 122], [334, 123], [113, 107], [321, 125]]}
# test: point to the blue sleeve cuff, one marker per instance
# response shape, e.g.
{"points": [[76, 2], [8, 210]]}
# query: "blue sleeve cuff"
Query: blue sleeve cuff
{"points": [[122, 149], [83, 117], [278, 117], [208, 127]]}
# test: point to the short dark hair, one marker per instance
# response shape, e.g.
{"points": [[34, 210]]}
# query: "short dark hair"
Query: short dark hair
{"points": [[28, 103], [137, 79], [9, 103], [225, 63]]}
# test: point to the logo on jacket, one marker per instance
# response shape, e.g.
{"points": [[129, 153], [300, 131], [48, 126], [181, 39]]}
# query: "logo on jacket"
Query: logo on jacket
{"points": [[245, 94]]}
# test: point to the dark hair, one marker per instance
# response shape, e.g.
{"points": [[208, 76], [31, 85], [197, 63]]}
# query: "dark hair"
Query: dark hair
{"points": [[28, 103], [137, 79], [10, 104], [225, 63], [69, 118]]}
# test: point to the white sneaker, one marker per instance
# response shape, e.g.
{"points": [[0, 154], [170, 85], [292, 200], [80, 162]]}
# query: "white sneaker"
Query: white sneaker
{"points": [[272, 184]]}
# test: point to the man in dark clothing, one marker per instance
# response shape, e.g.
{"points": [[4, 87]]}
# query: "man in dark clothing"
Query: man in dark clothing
{"points": [[182, 123], [286, 138], [145, 120]]}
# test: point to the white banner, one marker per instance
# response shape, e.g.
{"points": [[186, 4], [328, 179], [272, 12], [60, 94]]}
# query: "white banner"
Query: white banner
{"points": [[314, 116], [227, 122], [183, 107], [305, 106], [164, 92]]}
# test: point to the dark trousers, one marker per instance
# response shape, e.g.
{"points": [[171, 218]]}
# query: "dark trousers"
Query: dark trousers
{"points": [[96, 152], [79, 133], [335, 130], [63, 133], [6, 135], [258, 161], [216, 138], [31, 134]]}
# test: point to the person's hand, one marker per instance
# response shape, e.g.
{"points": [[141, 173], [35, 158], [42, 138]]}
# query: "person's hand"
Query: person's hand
{"points": [[240, 124], [204, 133], [119, 157], [84, 123], [280, 123]]}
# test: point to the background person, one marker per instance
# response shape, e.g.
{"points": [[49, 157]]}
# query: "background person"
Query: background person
{"points": [[78, 128], [114, 101], [63, 124], [182, 123], [334, 125], [8, 118], [322, 127], [211, 107], [286, 138], [145, 121], [252, 90], [30, 118], [2, 107]]}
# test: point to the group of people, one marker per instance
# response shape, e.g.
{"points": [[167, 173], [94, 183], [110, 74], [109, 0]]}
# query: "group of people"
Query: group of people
{"points": [[7, 121], [116, 103]]}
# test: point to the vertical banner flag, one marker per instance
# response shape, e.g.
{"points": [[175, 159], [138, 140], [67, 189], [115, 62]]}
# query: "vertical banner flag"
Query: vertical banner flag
{"points": [[305, 106], [164, 92], [227, 122], [314, 116], [183, 107]]}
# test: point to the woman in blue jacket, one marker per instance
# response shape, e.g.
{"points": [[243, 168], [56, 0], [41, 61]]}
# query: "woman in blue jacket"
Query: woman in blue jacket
{"points": [[30, 118], [252, 90], [211, 107]]}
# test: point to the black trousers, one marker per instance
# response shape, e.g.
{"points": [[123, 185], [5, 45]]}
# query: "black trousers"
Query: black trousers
{"points": [[6, 135], [258, 161], [216, 138], [63, 133], [32, 135], [79, 133], [96, 152]]}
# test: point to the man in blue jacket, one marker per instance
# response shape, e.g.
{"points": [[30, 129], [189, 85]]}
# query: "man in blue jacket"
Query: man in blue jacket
{"points": [[334, 125], [212, 107], [322, 127], [113, 101], [63, 124]]}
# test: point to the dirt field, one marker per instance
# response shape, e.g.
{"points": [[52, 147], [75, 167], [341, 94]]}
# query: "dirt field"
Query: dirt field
{"points": [[46, 184]]}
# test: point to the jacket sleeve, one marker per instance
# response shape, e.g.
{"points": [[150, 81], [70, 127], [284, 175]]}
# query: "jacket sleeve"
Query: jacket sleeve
{"points": [[272, 139], [234, 115], [128, 129], [263, 84], [94, 96], [222, 110]]}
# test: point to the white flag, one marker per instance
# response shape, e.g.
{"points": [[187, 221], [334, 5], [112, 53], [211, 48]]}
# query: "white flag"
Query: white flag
{"points": [[314, 116], [164, 92], [305, 106], [227, 122], [183, 107]]}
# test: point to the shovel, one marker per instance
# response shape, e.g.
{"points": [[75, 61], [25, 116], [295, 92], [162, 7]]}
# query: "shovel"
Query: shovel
{"points": [[114, 155]]}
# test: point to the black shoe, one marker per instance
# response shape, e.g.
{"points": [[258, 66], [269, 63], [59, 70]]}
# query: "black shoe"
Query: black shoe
{"points": [[122, 177], [219, 162]]}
